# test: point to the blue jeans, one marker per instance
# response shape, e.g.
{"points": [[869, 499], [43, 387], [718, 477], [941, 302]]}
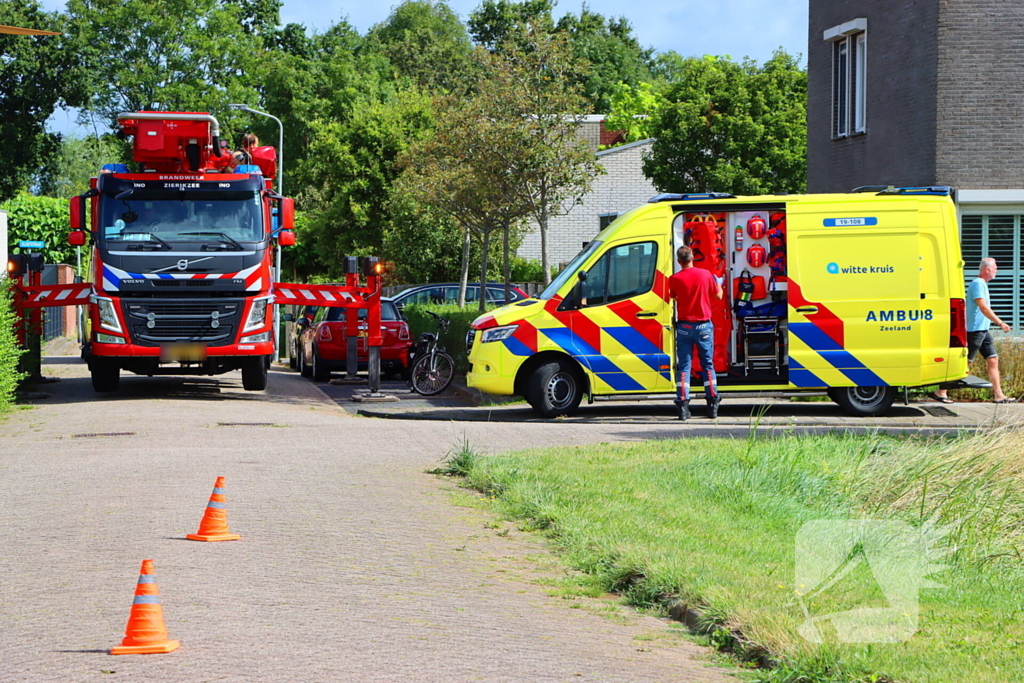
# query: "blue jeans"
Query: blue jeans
{"points": [[701, 336]]}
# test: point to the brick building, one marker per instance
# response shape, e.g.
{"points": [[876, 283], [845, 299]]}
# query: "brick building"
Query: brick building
{"points": [[621, 188], [912, 92]]}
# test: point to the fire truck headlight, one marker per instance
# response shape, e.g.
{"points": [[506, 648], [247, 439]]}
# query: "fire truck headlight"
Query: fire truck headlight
{"points": [[109, 339], [255, 338], [257, 314], [107, 314]]}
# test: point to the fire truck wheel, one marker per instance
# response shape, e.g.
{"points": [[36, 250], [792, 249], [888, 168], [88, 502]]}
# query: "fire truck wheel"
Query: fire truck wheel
{"points": [[254, 374], [320, 373], [863, 401], [105, 375], [555, 389]]}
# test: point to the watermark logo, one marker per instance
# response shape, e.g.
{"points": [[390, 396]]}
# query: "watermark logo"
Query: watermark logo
{"points": [[874, 567], [833, 268]]}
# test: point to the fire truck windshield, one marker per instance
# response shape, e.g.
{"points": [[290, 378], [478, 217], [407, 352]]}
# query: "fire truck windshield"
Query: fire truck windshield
{"points": [[181, 216]]}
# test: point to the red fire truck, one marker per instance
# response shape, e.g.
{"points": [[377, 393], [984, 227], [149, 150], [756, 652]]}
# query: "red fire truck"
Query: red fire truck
{"points": [[182, 276]]}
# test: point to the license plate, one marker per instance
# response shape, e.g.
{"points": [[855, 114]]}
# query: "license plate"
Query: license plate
{"points": [[184, 352]]}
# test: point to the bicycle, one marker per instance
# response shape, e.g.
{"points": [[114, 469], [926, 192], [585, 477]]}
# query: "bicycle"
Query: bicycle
{"points": [[432, 369]]}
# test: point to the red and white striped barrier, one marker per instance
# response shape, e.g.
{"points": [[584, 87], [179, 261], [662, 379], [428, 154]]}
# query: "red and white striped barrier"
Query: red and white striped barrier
{"points": [[45, 296], [338, 296]]}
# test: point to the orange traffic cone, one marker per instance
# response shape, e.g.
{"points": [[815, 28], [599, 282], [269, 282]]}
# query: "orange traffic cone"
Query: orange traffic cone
{"points": [[214, 526], [145, 633]]}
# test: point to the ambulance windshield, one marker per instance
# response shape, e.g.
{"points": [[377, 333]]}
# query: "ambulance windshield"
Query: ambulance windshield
{"points": [[181, 216], [569, 271]]}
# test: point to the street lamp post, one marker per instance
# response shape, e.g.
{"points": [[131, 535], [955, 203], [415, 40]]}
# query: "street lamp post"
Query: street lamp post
{"points": [[280, 190]]}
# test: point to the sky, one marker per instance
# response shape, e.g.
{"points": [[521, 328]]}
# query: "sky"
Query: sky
{"points": [[738, 28]]}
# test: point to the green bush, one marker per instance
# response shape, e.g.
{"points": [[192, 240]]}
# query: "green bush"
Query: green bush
{"points": [[454, 340], [1011, 371], [40, 218], [9, 351]]}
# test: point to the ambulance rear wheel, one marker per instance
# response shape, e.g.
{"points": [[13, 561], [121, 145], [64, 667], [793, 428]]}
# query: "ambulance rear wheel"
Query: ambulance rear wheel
{"points": [[556, 388], [863, 401], [105, 376], [254, 374]]}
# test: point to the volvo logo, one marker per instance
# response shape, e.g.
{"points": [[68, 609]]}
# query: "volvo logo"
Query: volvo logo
{"points": [[182, 264]]}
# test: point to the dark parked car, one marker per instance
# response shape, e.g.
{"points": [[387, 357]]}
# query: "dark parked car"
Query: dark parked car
{"points": [[323, 345], [299, 323], [448, 293]]}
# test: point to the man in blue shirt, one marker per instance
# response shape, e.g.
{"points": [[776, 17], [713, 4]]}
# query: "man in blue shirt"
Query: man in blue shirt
{"points": [[979, 340]]}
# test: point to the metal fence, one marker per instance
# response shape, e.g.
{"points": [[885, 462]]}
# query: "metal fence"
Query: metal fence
{"points": [[531, 288]]}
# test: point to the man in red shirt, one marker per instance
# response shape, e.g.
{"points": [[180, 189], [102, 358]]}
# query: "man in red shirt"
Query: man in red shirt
{"points": [[693, 289]]}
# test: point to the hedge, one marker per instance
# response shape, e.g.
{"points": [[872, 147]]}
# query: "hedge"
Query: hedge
{"points": [[9, 351], [454, 340]]}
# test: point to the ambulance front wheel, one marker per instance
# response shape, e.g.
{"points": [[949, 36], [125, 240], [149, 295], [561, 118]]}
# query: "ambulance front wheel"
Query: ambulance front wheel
{"points": [[556, 388], [863, 401]]}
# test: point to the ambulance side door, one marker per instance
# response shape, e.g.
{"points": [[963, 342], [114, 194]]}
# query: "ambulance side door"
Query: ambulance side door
{"points": [[624, 317]]}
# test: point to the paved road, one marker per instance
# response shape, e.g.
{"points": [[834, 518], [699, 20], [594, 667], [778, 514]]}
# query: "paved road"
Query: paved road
{"points": [[353, 565], [737, 416]]}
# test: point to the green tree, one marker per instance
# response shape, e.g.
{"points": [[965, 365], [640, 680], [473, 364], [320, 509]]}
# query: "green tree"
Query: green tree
{"points": [[40, 218], [605, 49], [310, 80], [467, 170], [173, 55], [728, 127], [37, 74], [427, 42], [611, 51], [531, 82], [350, 170], [67, 172], [495, 21], [509, 151], [632, 109]]}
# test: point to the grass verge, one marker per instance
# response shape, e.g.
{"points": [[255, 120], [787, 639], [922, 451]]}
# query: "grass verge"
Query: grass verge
{"points": [[712, 525]]}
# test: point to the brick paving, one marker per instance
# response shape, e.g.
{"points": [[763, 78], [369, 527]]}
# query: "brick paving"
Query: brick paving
{"points": [[354, 565]]}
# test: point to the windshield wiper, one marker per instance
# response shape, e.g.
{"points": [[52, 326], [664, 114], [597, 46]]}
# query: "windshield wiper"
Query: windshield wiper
{"points": [[150, 235], [221, 235]]}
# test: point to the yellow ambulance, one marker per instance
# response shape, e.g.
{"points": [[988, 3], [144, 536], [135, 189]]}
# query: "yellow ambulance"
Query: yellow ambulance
{"points": [[859, 295]]}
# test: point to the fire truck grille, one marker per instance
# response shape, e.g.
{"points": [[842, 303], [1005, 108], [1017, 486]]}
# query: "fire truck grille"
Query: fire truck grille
{"points": [[156, 321]]}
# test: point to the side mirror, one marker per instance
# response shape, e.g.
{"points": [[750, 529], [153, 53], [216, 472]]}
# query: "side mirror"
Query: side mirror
{"points": [[76, 238], [75, 206], [288, 317], [582, 275], [286, 238], [287, 213], [303, 323]]}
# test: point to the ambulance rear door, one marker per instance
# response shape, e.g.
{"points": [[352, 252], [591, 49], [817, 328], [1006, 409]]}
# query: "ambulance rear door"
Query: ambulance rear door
{"points": [[856, 311]]}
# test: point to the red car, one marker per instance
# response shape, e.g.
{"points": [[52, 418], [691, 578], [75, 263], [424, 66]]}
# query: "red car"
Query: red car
{"points": [[323, 346]]}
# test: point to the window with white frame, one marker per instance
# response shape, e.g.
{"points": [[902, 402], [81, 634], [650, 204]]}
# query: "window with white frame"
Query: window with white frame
{"points": [[999, 237], [849, 77]]}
